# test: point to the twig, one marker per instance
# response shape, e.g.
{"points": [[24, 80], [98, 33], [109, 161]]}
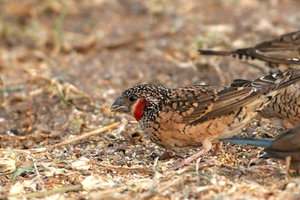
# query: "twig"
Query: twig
{"points": [[16, 88], [220, 74], [38, 174], [27, 137], [138, 37], [256, 66], [164, 187], [13, 137], [159, 187], [120, 168], [178, 63], [49, 192], [66, 88], [218, 71], [67, 142], [27, 151], [85, 135], [99, 195]]}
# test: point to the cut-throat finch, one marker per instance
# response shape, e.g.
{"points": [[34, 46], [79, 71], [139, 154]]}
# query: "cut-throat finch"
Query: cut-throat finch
{"points": [[200, 115]]}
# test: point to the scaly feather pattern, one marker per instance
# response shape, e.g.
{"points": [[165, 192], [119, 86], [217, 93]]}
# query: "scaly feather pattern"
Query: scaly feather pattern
{"points": [[285, 105]]}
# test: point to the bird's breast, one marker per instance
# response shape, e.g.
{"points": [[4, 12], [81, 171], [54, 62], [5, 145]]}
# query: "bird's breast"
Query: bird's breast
{"points": [[285, 105], [169, 131]]}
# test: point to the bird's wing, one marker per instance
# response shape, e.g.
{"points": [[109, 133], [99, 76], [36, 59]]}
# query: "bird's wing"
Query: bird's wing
{"points": [[199, 103], [241, 83], [286, 42], [193, 102], [229, 100], [272, 80]]}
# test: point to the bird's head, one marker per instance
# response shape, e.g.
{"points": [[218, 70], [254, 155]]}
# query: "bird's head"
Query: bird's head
{"points": [[135, 100]]}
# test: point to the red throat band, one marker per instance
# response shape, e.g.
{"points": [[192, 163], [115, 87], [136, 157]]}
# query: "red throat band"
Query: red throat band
{"points": [[139, 109]]}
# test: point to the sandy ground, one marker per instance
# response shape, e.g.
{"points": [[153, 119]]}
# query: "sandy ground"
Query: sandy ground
{"points": [[62, 63]]}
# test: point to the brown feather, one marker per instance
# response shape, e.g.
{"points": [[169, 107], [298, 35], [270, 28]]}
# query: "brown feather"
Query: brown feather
{"points": [[221, 103]]}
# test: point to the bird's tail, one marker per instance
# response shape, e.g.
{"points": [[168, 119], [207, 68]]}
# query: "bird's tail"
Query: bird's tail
{"points": [[253, 53], [214, 53], [258, 142], [245, 53]]}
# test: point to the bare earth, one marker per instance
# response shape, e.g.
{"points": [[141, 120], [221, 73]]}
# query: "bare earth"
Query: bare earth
{"points": [[62, 63]]}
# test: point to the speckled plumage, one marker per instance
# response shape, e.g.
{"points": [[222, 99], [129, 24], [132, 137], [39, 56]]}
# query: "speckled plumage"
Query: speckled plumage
{"points": [[197, 115]]}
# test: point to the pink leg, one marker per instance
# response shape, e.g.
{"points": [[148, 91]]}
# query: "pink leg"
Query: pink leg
{"points": [[217, 148], [206, 147], [288, 163]]}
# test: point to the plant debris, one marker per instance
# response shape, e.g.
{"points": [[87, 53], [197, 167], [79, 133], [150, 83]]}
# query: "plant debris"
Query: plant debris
{"points": [[62, 64]]}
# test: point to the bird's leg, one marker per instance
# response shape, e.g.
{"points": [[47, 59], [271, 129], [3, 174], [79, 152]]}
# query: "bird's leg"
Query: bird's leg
{"points": [[217, 148], [288, 163], [287, 124], [206, 147]]}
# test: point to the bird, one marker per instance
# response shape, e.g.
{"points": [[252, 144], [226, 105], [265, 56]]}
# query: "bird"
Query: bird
{"points": [[281, 53], [286, 145], [285, 106], [195, 116]]}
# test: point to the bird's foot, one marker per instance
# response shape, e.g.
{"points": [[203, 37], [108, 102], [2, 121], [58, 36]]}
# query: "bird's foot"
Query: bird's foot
{"points": [[178, 165], [188, 160], [217, 148]]}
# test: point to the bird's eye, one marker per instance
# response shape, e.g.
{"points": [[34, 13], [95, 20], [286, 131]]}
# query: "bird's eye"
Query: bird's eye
{"points": [[132, 98]]}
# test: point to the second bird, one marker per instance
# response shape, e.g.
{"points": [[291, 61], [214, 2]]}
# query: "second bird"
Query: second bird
{"points": [[282, 52]]}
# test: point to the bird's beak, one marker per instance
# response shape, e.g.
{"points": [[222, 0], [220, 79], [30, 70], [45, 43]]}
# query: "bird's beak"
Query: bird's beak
{"points": [[119, 106]]}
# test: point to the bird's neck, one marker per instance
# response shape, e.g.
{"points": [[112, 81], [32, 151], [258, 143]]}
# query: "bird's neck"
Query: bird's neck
{"points": [[138, 112]]}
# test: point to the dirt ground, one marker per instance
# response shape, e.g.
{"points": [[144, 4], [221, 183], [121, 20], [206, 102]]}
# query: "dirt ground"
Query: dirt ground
{"points": [[62, 64]]}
